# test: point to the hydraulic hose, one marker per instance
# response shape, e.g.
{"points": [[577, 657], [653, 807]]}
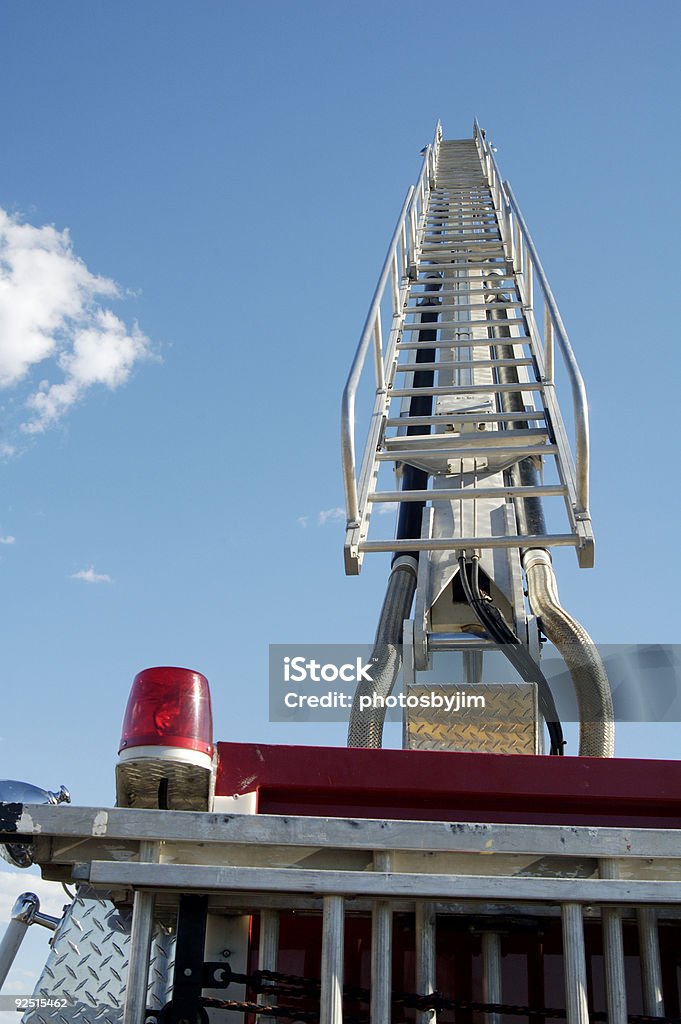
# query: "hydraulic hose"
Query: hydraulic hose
{"points": [[366, 725], [596, 727], [414, 479], [570, 638]]}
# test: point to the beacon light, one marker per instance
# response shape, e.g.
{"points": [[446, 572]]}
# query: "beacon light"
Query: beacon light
{"points": [[166, 750]]}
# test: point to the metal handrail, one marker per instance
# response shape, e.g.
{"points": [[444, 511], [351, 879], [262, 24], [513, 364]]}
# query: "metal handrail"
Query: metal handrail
{"points": [[407, 227], [554, 326], [579, 399], [350, 390]]}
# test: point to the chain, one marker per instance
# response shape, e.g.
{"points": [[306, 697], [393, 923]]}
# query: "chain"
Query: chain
{"points": [[275, 983]]}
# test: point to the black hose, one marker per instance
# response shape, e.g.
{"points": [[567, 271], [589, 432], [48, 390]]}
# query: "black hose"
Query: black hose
{"points": [[413, 479], [516, 652]]}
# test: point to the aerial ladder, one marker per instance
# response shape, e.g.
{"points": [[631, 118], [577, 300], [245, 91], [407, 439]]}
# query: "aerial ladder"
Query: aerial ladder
{"points": [[466, 416], [457, 879]]}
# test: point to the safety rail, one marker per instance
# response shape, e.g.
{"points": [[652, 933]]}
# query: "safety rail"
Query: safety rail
{"points": [[522, 252], [399, 268], [377, 867]]}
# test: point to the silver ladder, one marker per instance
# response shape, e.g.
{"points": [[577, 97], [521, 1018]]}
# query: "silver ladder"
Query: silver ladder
{"points": [[465, 382], [105, 965]]}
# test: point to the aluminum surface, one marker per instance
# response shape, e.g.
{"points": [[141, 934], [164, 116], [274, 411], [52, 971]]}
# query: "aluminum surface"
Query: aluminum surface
{"points": [[88, 965], [507, 724]]}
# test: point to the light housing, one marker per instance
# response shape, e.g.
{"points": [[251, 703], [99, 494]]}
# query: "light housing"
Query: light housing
{"points": [[166, 749]]}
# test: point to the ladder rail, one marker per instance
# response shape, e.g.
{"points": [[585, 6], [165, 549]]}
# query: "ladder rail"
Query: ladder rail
{"points": [[526, 259], [396, 267]]}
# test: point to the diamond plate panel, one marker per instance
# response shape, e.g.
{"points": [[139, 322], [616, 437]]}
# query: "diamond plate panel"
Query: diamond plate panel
{"points": [[88, 965], [507, 724]]}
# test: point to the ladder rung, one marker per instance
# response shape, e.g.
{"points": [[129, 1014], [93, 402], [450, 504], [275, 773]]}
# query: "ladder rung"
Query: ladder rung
{"points": [[464, 364], [462, 207], [551, 540], [471, 439], [465, 389], [487, 218], [445, 293], [462, 343], [444, 419], [474, 452], [484, 244], [487, 230], [456, 268], [444, 307], [468, 493], [490, 231], [456, 325]]}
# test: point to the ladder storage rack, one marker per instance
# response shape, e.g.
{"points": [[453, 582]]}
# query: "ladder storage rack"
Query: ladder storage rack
{"points": [[354, 910]]}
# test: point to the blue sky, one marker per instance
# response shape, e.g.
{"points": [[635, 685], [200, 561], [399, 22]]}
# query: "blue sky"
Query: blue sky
{"points": [[237, 170]]}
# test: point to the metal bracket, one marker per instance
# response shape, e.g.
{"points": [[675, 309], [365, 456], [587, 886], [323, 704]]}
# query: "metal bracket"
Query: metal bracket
{"points": [[188, 978]]}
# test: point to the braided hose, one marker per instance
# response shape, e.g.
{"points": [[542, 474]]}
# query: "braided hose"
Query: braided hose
{"points": [[366, 724], [596, 729]]}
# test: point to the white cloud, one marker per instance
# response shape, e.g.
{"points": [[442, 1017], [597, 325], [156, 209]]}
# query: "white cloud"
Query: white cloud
{"points": [[9, 539], [328, 514], [303, 521], [50, 317], [90, 576], [385, 508]]}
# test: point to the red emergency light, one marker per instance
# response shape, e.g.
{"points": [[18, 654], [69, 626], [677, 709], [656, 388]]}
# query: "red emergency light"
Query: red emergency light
{"points": [[166, 749]]}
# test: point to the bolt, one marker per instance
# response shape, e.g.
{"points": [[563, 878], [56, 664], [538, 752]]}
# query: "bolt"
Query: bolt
{"points": [[187, 972]]}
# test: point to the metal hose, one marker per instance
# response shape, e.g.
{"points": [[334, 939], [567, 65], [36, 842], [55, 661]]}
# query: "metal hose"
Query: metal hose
{"points": [[596, 728], [596, 731], [366, 725]]}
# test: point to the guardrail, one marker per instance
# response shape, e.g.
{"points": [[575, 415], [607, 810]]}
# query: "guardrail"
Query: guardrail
{"points": [[528, 266], [398, 269], [512, 868]]}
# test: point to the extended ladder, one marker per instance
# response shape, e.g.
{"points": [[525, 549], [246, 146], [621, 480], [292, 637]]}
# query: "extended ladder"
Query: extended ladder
{"points": [[465, 407]]}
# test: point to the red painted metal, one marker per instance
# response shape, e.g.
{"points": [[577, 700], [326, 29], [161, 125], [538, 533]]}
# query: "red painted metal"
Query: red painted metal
{"points": [[446, 786], [168, 707]]}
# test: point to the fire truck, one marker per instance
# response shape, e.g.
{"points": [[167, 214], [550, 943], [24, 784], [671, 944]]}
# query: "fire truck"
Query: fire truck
{"points": [[478, 873]]}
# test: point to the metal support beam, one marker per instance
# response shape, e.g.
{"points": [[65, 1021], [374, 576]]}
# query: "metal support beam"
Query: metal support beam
{"points": [[491, 972], [134, 1010], [331, 998], [574, 964], [651, 968], [425, 958], [381, 950], [184, 1007], [613, 952], [268, 951]]}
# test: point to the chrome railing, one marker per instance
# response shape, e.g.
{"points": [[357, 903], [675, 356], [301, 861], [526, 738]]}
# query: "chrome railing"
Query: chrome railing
{"points": [[398, 269], [528, 266]]}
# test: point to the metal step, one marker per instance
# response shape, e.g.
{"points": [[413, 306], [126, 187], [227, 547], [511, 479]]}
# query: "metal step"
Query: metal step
{"points": [[443, 419], [461, 342], [465, 364], [472, 439], [467, 493], [444, 307], [459, 325], [466, 389], [468, 452], [542, 540], [445, 293]]}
